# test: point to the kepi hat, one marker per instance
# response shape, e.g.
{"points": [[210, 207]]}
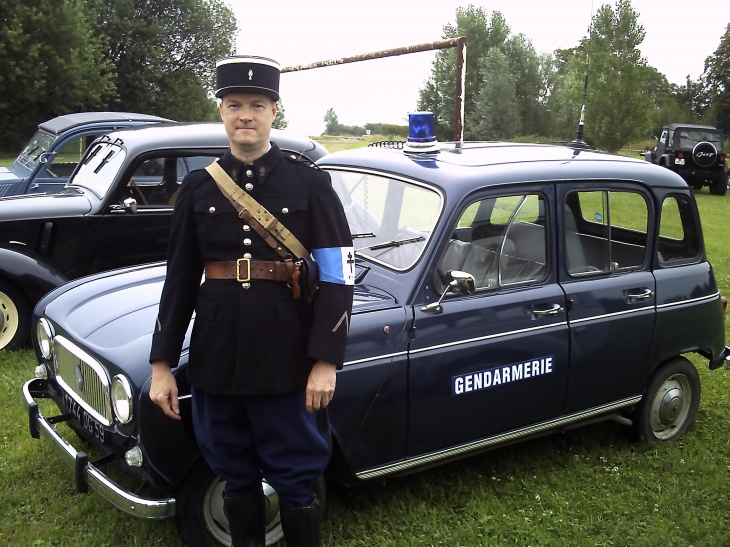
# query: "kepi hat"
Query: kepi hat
{"points": [[247, 74]]}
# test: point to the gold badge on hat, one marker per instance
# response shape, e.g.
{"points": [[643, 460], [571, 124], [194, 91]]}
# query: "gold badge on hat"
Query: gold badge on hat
{"points": [[250, 74]]}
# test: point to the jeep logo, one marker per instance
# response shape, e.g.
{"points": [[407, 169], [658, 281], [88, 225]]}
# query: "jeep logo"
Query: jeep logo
{"points": [[705, 154]]}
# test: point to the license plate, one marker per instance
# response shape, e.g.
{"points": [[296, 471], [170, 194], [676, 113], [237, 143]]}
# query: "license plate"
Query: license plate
{"points": [[84, 419]]}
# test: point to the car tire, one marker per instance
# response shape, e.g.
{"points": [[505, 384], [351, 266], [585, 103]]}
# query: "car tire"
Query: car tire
{"points": [[15, 318], [719, 187], [199, 515], [669, 406]]}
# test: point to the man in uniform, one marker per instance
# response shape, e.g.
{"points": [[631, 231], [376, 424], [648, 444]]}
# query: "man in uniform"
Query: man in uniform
{"points": [[261, 379]]}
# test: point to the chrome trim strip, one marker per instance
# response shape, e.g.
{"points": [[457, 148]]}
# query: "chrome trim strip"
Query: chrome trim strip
{"points": [[376, 358], [495, 440], [604, 316], [709, 297], [128, 502], [490, 336], [189, 396], [141, 211]]}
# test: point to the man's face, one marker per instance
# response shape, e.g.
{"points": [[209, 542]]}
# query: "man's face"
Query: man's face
{"points": [[247, 118]]}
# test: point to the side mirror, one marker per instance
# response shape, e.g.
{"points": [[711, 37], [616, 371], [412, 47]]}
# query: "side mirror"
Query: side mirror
{"points": [[462, 282], [130, 205]]}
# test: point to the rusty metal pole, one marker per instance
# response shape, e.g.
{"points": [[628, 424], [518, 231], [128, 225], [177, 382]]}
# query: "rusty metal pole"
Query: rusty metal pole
{"points": [[460, 90]]}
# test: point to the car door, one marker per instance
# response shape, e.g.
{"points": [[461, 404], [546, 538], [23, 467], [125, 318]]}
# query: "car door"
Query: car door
{"points": [[497, 360], [606, 274]]}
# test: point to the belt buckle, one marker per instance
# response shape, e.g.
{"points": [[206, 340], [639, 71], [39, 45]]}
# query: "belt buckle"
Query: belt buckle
{"points": [[238, 270]]}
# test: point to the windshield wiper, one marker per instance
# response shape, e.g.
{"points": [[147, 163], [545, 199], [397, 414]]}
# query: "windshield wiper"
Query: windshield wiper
{"points": [[104, 162], [388, 244], [362, 236]]}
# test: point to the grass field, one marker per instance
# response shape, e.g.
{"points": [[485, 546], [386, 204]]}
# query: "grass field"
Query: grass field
{"points": [[587, 487]]}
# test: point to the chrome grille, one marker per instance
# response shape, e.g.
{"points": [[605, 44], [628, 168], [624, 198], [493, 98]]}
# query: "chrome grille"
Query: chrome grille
{"points": [[83, 378]]}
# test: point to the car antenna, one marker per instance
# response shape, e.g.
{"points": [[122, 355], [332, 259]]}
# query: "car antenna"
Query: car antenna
{"points": [[578, 142]]}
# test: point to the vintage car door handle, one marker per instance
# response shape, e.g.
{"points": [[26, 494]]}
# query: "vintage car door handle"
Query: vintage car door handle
{"points": [[555, 309], [643, 295]]}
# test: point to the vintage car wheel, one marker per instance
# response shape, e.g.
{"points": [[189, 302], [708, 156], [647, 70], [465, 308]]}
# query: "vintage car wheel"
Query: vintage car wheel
{"points": [[14, 318], [200, 518], [669, 407]]}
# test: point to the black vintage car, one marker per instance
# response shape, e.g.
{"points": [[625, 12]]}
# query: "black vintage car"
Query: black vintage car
{"points": [[695, 152], [115, 211], [51, 155], [502, 292]]}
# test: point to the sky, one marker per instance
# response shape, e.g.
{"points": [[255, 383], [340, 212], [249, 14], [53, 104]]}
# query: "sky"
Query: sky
{"points": [[385, 90]]}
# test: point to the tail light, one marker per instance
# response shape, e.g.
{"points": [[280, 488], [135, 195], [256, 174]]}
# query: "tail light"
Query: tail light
{"points": [[680, 155]]}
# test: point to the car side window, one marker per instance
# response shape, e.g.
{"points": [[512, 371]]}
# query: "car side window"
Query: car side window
{"points": [[679, 240], [156, 181], [68, 156], [663, 138], [604, 231], [501, 241]]}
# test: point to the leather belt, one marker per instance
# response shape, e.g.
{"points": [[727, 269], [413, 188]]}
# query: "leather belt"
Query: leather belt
{"points": [[244, 269]]}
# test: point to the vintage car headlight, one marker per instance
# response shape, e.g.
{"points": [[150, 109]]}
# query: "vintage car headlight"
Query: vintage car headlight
{"points": [[45, 338], [121, 393]]}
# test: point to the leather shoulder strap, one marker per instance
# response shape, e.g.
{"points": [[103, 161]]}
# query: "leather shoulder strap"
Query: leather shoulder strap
{"points": [[243, 201]]}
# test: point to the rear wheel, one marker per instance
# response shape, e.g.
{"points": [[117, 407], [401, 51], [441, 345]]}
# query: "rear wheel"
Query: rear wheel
{"points": [[14, 317], [719, 187], [669, 407]]}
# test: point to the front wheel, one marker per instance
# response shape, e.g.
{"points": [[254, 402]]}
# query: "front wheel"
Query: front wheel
{"points": [[669, 407], [14, 318], [200, 519]]}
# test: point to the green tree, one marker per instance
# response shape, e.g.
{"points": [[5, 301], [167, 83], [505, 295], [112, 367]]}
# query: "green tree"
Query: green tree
{"points": [[497, 108], [280, 121], [163, 53], [524, 66], [717, 76], [619, 102], [438, 95], [51, 63], [331, 122]]}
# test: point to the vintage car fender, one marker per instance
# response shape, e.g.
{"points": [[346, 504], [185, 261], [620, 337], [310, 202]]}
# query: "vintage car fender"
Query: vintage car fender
{"points": [[29, 271]]}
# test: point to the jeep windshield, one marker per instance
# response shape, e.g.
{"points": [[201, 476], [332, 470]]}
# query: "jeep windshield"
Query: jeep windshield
{"points": [[99, 167], [34, 150], [688, 138], [390, 220]]}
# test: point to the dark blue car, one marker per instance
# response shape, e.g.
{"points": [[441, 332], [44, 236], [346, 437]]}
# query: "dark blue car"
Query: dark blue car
{"points": [[503, 291]]}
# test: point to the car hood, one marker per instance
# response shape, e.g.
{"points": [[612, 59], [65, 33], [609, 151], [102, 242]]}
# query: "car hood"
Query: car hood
{"points": [[114, 315], [64, 203]]}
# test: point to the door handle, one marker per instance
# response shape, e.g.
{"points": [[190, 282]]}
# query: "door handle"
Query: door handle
{"points": [[554, 310], [643, 295]]}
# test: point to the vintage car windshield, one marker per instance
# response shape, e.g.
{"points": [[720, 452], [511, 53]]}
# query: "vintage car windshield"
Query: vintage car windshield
{"points": [[99, 168], [689, 138], [391, 220], [33, 151]]}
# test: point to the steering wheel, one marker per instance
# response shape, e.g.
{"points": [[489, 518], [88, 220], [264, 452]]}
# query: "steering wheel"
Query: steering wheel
{"points": [[139, 192]]}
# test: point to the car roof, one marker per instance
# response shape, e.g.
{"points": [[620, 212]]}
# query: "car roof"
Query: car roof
{"points": [[674, 126], [68, 121], [474, 165], [211, 135]]}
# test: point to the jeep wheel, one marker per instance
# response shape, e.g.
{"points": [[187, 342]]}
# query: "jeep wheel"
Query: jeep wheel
{"points": [[670, 404], [14, 317], [200, 519], [719, 187]]}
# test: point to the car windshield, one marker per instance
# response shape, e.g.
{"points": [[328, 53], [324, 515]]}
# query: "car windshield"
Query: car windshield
{"points": [[33, 151], [690, 137], [99, 168], [391, 220]]}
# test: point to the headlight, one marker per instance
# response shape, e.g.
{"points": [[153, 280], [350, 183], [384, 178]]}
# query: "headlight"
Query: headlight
{"points": [[45, 338], [121, 393]]}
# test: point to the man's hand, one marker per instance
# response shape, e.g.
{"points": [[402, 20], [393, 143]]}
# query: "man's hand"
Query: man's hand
{"points": [[163, 389], [321, 385]]}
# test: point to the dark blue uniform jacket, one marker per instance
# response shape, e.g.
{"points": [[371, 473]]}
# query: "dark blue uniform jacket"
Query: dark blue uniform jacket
{"points": [[251, 341]]}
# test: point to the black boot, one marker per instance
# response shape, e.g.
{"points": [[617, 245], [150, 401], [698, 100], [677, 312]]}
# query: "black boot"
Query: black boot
{"points": [[301, 526], [246, 519]]}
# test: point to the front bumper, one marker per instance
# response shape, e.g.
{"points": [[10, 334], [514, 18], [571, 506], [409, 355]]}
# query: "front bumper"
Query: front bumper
{"points": [[86, 473]]}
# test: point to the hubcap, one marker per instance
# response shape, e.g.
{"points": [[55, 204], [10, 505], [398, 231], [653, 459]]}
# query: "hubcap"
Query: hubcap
{"points": [[217, 523], [671, 406], [8, 320]]}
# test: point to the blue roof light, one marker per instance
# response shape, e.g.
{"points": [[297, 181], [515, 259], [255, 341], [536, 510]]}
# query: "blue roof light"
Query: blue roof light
{"points": [[421, 134]]}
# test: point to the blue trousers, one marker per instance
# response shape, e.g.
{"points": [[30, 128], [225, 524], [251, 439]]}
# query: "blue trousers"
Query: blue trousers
{"points": [[245, 438]]}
